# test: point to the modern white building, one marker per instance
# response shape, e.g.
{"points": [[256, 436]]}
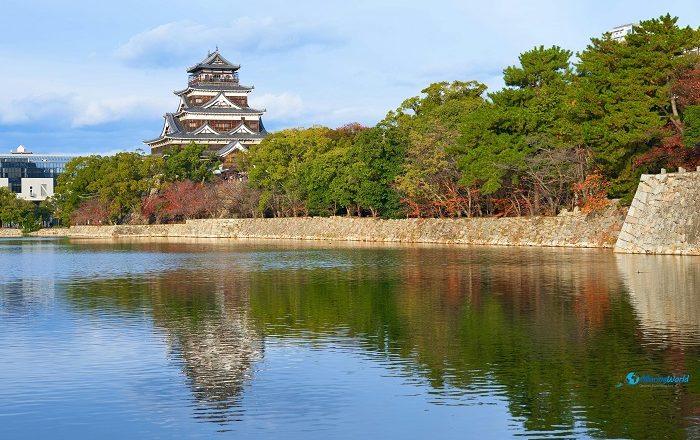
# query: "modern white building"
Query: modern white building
{"points": [[31, 176], [619, 33], [36, 188]]}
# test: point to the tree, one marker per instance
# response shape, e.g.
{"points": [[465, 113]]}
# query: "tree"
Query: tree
{"points": [[691, 120], [429, 182], [17, 212], [75, 184], [237, 199], [624, 98], [191, 162], [279, 166], [187, 200], [91, 212], [375, 159], [119, 181], [526, 119], [124, 179], [325, 181]]}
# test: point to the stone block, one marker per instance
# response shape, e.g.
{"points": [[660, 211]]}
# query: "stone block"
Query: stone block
{"points": [[626, 236], [642, 197]]}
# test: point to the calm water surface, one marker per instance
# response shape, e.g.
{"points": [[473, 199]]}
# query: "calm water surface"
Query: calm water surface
{"points": [[212, 339]]}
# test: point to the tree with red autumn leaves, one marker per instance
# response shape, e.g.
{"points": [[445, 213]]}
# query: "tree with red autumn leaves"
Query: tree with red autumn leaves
{"points": [[91, 212], [681, 145]]}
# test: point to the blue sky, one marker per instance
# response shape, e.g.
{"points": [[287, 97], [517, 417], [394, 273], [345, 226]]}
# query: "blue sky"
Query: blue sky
{"points": [[96, 77]]}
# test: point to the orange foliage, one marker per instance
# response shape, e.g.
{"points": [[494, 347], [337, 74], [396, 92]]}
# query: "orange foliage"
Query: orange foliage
{"points": [[186, 200], [454, 200], [518, 203], [592, 193]]}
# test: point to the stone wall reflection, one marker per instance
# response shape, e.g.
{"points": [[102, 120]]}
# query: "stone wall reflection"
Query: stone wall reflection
{"points": [[665, 293]]}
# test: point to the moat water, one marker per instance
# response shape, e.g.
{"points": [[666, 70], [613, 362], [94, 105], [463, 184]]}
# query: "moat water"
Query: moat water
{"points": [[238, 339]]}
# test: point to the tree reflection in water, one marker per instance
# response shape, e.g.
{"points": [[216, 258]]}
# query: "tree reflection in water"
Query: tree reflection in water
{"points": [[551, 331]]}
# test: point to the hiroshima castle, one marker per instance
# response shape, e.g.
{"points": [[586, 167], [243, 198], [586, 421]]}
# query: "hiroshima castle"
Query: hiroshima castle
{"points": [[213, 112]]}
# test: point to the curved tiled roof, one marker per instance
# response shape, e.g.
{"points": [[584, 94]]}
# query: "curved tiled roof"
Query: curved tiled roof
{"points": [[176, 131], [241, 136], [173, 123], [233, 111], [207, 136], [210, 62], [215, 88]]}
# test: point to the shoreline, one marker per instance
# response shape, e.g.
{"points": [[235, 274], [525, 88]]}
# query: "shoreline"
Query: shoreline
{"points": [[10, 232], [569, 230]]}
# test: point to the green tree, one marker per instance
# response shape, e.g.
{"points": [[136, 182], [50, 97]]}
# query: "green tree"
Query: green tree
{"points": [[521, 121], [430, 178], [17, 212], [325, 180], [75, 184], [280, 166], [375, 159], [691, 135], [123, 181], [120, 181], [191, 162], [624, 99]]}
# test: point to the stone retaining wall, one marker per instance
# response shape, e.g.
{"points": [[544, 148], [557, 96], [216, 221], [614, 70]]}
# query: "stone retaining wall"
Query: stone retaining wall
{"points": [[664, 217], [572, 230], [10, 232]]}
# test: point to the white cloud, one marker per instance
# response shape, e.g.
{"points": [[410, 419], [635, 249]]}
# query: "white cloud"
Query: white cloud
{"points": [[32, 108], [283, 106], [289, 110], [98, 111], [76, 110], [173, 43]]}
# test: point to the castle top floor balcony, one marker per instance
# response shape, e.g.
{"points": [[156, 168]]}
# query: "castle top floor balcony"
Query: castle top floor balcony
{"points": [[213, 79]]}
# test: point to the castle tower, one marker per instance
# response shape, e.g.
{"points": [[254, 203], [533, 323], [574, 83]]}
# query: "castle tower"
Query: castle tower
{"points": [[213, 111]]}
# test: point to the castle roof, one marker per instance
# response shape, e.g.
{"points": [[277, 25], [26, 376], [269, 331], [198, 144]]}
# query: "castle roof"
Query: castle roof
{"points": [[217, 76], [215, 88], [213, 110], [173, 124], [214, 61], [219, 104], [229, 148], [173, 130], [209, 136]]}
